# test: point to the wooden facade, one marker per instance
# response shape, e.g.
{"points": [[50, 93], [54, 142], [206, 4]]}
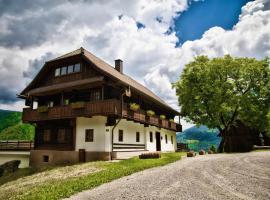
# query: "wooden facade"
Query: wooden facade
{"points": [[79, 84]]}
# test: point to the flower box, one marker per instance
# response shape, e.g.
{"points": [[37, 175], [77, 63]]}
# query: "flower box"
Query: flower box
{"points": [[77, 105], [150, 113], [134, 106], [162, 117], [42, 109]]}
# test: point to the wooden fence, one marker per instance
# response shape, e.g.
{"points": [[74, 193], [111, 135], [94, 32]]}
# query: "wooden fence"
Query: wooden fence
{"points": [[182, 147], [16, 145]]}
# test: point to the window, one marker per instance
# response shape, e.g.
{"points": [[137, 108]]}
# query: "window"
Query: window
{"points": [[50, 104], [66, 101], [77, 67], [151, 136], [57, 72], [166, 139], [61, 136], [172, 139], [137, 136], [89, 135], [95, 95], [63, 70], [120, 135], [47, 136], [70, 69], [45, 158]]}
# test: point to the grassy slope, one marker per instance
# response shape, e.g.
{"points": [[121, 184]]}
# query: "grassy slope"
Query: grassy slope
{"points": [[57, 189], [12, 128]]}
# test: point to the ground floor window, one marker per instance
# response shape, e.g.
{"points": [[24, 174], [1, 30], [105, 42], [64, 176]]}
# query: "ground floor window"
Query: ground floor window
{"points": [[120, 135], [166, 139], [89, 135], [172, 139], [151, 136], [137, 136]]}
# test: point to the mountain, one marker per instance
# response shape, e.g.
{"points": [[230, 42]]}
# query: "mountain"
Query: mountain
{"points": [[199, 137], [12, 128]]}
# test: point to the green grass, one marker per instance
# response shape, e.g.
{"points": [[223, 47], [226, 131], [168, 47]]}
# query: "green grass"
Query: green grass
{"points": [[110, 171]]}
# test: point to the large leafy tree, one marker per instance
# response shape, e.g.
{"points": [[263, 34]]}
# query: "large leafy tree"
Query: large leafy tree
{"points": [[218, 92]]}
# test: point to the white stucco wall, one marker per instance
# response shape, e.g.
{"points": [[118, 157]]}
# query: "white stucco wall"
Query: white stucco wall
{"points": [[102, 135], [6, 156], [129, 129]]}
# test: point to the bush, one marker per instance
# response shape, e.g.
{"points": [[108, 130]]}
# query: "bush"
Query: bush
{"points": [[191, 154], [134, 106], [1, 171], [150, 113], [162, 117], [149, 155], [213, 149], [201, 152], [210, 152], [11, 166]]}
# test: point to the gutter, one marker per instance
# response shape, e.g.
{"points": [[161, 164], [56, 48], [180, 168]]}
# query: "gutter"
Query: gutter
{"points": [[121, 117]]}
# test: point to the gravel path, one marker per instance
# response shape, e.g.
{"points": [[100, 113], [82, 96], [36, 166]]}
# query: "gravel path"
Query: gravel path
{"points": [[220, 176]]}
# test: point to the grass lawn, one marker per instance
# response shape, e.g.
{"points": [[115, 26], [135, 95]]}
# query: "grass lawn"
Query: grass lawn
{"points": [[62, 182]]}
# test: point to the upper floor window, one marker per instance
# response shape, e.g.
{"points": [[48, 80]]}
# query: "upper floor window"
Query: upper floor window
{"points": [[47, 136], [63, 70], [95, 95], [57, 72], [67, 69]]}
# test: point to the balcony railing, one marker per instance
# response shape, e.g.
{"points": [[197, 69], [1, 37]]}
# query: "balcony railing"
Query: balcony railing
{"points": [[141, 117], [105, 108]]}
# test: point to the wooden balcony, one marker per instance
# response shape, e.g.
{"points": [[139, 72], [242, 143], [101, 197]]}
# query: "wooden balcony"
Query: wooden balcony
{"points": [[141, 117], [105, 107]]}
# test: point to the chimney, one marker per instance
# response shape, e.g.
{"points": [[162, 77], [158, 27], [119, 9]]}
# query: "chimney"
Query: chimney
{"points": [[119, 65]]}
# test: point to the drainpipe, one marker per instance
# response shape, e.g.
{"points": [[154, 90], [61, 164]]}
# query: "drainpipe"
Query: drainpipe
{"points": [[121, 116]]}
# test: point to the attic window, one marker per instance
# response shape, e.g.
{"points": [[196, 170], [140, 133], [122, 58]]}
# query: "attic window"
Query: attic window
{"points": [[63, 70], [77, 67], [57, 72]]}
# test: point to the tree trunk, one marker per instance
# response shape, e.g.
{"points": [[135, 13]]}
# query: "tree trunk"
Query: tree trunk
{"points": [[221, 145]]}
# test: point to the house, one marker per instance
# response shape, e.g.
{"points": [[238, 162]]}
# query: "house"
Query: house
{"points": [[84, 109]]}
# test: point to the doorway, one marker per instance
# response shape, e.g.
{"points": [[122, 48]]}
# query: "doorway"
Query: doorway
{"points": [[158, 146]]}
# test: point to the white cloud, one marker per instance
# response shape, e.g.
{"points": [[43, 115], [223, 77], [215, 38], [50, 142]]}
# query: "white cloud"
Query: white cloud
{"points": [[30, 32]]}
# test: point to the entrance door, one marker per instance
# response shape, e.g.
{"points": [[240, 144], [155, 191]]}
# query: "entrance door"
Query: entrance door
{"points": [[158, 141]]}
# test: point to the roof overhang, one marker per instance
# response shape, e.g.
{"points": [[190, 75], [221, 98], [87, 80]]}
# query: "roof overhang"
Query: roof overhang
{"points": [[41, 91]]}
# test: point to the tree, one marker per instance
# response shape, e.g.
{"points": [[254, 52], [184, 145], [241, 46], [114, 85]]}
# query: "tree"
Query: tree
{"points": [[218, 92]]}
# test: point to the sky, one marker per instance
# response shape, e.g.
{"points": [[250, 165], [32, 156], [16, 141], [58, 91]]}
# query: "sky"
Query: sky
{"points": [[154, 38]]}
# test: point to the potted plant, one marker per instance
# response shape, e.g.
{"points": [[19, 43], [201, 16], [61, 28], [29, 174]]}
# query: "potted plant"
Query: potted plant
{"points": [[42, 109], [171, 120], [150, 113], [162, 117], [134, 106], [77, 105]]}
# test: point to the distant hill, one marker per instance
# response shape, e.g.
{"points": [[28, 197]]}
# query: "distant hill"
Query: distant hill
{"points": [[199, 137], [12, 128]]}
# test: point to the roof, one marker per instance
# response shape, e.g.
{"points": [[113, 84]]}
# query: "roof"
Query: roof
{"points": [[108, 69]]}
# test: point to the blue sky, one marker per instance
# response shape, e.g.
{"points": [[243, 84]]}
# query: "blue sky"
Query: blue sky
{"points": [[202, 15]]}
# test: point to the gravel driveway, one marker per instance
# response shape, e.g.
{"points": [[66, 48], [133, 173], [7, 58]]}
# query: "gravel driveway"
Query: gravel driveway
{"points": [[220, 176]]}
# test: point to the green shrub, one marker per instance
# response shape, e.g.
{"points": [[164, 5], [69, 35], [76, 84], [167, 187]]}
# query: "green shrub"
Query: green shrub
{"points": [[150, 155], [1, 171], [134, 106], [213, 149], [150, 113], [191, 154], [202, 152], [162, 117]]}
